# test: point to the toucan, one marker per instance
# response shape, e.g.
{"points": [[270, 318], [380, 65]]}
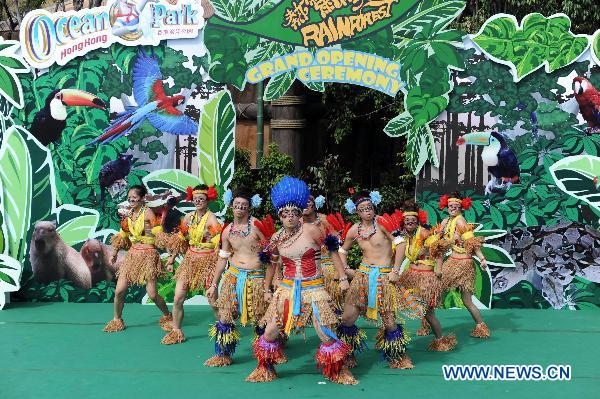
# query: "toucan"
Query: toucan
{"points": [[50, 121], [501, 161]]}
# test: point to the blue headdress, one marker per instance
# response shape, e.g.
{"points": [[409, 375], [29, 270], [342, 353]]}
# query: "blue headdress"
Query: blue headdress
{"points": [[351, 205], [255, 201], [290, 193]]}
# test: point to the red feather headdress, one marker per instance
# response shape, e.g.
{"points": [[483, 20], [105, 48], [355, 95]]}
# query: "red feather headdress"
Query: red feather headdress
{"points": [[338, 226], [464, 203], [391, 222], [266, 226], [211, 193]]}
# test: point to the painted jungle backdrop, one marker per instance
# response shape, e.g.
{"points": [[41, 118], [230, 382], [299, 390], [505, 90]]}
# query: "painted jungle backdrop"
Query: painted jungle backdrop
{"points": [[509, 116]]}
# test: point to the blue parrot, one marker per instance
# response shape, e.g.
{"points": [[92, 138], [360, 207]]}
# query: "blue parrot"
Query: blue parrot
{"points": [[153, 104], [501, 161]]}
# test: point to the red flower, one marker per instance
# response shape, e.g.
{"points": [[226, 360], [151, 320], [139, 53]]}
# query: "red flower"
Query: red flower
{"points": [[212, 194], [443, 201], [351, 191], [422, 216], [466, 203], [190, 194]]}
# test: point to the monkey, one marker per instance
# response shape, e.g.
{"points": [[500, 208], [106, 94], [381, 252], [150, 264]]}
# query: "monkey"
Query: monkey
{"points": [[52, 259], [97, 258]]}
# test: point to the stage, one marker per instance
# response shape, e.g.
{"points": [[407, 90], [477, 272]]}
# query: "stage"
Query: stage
{"points": [[59, 350]]}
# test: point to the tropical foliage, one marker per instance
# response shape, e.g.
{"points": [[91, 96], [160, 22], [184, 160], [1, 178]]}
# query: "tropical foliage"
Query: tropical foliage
{"points": [[62, 180]]}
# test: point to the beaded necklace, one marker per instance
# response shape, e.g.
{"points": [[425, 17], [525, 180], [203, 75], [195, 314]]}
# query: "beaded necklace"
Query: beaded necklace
{"points": [[369, 234], [295, 234], [197, 218], [141, 212], [450, 227], [239, 233]]}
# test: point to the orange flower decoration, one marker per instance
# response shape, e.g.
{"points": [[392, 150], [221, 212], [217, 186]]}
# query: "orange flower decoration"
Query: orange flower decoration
{"points": [[183, 228], [124, 225], [215, 229]]}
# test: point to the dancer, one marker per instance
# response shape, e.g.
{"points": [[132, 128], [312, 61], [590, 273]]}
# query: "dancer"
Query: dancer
{"points": [[458, 271], [242, 293], [140, 234], [310, 215], [198, 239], [300, 298], [371, 295], [422, 274]]}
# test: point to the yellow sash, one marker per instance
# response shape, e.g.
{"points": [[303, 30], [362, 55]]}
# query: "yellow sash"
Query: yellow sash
{"points": [[196, 234], [137, 229], [413, 246]]}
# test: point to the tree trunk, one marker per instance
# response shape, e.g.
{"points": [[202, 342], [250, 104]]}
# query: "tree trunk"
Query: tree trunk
{"points": [[469, 161], [13, 23], [451, 175], [177, 154], [445, 132], [482, 177], [77, 5], [190, 153], [17, 12]]}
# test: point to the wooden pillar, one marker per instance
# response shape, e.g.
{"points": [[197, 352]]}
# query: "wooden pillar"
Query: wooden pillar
{"points": [[288, 123]]}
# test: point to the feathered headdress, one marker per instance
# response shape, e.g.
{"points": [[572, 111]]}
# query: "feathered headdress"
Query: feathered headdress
{"points": [[392, 223], [255, 201], [464, 203], [267, 227], [211, 193], [421, 215], [351, 205], [338, 226], [290, 193], [319, 202]]}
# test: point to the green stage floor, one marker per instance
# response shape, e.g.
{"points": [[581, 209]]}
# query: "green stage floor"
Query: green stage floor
{"points": [[59, 351]]}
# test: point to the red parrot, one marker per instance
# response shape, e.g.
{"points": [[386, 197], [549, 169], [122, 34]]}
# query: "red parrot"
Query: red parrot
{"points": [[153, 104], [588, 99]]}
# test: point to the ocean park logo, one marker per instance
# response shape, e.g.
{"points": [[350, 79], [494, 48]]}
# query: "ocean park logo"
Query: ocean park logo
{"points": [[48, 38]]}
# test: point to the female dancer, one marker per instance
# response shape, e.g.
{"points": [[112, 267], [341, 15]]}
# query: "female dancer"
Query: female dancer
{"points": [[198, 239], [141, 233]]}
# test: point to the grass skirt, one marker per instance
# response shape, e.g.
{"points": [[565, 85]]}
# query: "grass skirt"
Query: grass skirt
{"points": [[140, 265], [228, 300], [196, 268], [282, 301], [332, 283], [425, 284], [388, 300], [459, 273]]}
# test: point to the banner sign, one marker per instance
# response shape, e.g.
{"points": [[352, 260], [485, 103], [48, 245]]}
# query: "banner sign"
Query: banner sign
{"points": [[48, 38]]}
